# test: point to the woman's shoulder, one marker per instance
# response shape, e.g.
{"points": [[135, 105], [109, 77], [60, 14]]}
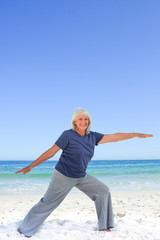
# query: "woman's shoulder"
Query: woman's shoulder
{"points": [[65, 134], [68, 131], [95, 134]]}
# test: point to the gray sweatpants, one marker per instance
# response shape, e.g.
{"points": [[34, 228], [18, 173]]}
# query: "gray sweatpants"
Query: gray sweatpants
{"points": [[58, 189]]}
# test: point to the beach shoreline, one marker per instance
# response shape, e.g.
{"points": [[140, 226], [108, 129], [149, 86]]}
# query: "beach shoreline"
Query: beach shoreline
{"points": [[136, 216]]}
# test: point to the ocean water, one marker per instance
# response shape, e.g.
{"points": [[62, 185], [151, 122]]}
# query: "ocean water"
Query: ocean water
{"points": [[123, 175]]}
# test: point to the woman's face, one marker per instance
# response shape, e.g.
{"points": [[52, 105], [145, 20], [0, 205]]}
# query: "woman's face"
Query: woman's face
{"points": [[82, 122]]}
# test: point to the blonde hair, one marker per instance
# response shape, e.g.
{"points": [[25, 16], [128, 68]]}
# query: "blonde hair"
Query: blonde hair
{"points": [[81, 111]]}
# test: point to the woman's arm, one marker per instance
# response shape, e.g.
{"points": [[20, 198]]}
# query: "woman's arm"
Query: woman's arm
{"points": [[122, 136], [45, 156]]}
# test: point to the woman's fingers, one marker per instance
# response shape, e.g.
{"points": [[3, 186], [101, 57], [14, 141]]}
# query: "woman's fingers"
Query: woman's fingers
{"points": [[142, 135], [19, 171], [24, 170]]}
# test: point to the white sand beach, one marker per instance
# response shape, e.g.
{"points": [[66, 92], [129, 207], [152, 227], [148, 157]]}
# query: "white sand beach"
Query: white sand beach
{"points": [[137, 217]]}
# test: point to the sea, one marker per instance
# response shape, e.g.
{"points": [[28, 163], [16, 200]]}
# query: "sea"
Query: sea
{"points": [[118, 175]]}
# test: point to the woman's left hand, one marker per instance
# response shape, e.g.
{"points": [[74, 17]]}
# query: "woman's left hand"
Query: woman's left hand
{"points": [[142, 135]]}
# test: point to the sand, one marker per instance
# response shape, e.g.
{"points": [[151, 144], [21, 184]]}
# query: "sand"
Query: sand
{"points": [[137, 217]]}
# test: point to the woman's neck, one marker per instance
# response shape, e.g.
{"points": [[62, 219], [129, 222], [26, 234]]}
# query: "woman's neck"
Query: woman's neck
{"points": [[81, 132]]}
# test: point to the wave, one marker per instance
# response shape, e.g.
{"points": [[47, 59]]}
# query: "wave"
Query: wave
{"points": [[15, 176]]}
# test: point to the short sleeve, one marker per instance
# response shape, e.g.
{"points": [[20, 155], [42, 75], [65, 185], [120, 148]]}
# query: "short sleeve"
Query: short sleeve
{"points": [[98, 137], [62, 141]]}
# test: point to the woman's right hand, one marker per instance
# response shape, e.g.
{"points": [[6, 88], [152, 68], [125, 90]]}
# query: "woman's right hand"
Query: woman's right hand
{"points": [[24, 170]]}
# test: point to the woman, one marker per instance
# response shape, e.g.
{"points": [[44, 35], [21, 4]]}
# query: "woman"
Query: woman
{"points": [[77, 146]]}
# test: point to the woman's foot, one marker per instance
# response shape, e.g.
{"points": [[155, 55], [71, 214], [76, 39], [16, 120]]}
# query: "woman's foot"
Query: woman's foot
{"points": [[18, 230], [106, 230]]}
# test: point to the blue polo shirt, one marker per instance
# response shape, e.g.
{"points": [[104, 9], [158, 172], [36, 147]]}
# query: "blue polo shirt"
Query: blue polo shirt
{"points": [[77, 152]]}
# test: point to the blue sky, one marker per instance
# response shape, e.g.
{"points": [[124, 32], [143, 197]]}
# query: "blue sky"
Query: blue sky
{"points": [[58, 55]]}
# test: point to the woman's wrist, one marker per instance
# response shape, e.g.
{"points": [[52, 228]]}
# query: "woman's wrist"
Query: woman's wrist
{"points": [[31, 166]]}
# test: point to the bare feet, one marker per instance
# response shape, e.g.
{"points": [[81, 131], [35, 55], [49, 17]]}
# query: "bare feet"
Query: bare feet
{"points": [[106, 230], [18, 230]]}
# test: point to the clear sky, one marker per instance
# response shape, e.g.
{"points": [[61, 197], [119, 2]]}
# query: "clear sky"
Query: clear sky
{"points": [[57, 55]]}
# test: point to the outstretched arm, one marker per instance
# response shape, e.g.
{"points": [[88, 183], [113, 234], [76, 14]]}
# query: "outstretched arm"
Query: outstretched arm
{"points": [[45, 156], [122, 136]]}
